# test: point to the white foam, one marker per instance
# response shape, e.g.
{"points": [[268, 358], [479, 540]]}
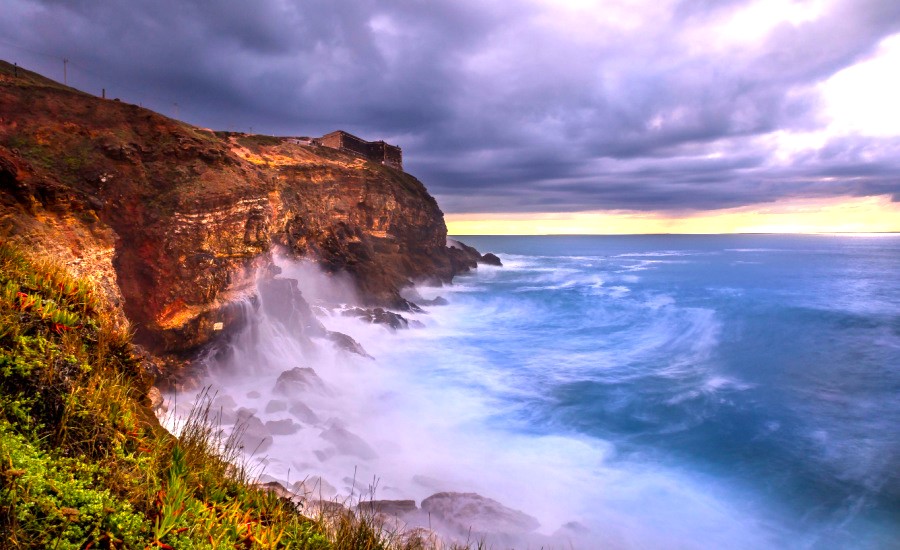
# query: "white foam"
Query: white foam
{"points": [[430, 412]]}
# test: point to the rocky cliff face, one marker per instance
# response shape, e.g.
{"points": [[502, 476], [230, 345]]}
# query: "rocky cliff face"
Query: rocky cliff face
{"points": [[172, 220]]}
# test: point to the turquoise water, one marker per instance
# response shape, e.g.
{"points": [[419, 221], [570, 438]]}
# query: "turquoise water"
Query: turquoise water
{"points": [[766, 368]]}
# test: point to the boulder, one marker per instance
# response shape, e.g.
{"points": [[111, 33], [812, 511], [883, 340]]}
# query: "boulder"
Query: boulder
{"points": [[303, 413], [252, 433], [282, 427], [276, 405], [397, 508], [344, 342], [439, 301], [314, 487], [379, 316], [490, 259], [299, 380], [347, 442], [480, 514]]}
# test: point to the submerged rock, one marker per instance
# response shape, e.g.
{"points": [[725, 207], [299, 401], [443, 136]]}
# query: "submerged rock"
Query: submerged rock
{"points": [[480, 514]]}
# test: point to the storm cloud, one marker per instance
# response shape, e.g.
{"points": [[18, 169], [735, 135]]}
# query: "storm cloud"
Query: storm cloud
{"points": [[519, 106]]}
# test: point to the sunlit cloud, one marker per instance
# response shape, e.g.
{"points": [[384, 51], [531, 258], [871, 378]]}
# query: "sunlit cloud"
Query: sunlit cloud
{"points": [[864, 98]]}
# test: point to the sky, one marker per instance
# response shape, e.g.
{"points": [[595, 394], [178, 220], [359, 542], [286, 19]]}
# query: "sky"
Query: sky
{"points": [[538, 116]]}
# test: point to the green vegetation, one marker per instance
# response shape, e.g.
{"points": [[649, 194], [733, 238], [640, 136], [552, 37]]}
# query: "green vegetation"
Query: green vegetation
{"points": [[254, 140], [83, 462]]}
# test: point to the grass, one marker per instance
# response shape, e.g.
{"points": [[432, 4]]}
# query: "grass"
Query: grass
{"points": [[84, 463]]}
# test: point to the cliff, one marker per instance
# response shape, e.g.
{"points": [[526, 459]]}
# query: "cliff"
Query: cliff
{"points": [[172, 220]]}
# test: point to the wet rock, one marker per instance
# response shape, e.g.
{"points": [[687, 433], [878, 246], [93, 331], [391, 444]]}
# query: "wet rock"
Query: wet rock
{"points": [[347, 443], [490, 259], [299, 380], [397, 508], [324, 509], [378, 316], [303, 413], [346, 343], [480, 514], [282, 427], [282, 300], [254, 394], [222, 410], [439, 301], [462, 257], [314, 486], [276, 405], [252, 433]]}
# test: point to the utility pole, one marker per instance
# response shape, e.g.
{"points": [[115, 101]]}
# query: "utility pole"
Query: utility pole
{"points": [[65, 71], [104, 93]]}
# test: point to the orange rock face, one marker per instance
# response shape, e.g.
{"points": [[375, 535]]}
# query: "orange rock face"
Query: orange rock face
{"points": [[172, 221]]}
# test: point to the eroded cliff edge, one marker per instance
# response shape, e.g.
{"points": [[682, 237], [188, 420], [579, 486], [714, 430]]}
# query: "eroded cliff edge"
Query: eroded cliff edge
{"points": [[172, 220]]}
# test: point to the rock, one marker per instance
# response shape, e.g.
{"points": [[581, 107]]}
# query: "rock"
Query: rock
{"points": [[491, 259], [304, 413], [299, 380], [252, 433], [222, 410], [379, 316], [480, 514], [344, 342], [282, 300], [314, 486], [397, 508], [157, 403], [462, 257], [439, 301], [276, 405], [324, 509], [282, 427], [347, 443]]}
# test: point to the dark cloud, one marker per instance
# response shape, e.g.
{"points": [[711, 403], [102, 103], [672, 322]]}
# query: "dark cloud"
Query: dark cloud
{"points": [[509, 106]]}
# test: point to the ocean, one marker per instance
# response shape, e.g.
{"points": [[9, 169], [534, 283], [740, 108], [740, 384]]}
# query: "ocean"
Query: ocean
{"points": [[671, 391]]}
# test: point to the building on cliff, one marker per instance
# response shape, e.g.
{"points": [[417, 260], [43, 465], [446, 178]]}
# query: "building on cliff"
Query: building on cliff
{"points": [[376, 151]]}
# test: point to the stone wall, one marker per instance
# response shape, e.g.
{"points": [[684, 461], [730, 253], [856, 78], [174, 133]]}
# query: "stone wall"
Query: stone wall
{"points": [[376, 151]]}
